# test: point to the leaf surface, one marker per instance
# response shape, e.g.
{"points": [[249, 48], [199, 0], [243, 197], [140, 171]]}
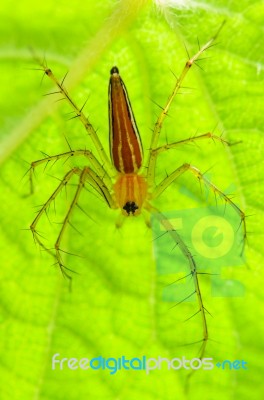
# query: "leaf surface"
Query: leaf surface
{"points": [[116, 307]]}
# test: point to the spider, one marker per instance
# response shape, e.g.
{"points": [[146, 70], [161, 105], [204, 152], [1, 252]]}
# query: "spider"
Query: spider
{"points": [[121, 182]]}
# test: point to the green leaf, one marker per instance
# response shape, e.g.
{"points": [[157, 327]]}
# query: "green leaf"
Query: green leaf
{"points": [[116, 306]]}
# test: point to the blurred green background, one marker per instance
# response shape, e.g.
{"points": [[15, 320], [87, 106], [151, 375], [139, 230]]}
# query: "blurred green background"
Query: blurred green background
{"points": [[115, 307]]}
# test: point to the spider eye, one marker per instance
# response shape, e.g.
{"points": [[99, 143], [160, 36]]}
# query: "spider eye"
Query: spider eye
{"points": [[130, 207]]}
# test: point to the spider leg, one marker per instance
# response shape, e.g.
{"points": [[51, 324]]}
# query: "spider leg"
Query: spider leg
{"points": [[193, 269], [80, 115], [73, 153], [86, 174], [46, 205], [207, 135], [66, 221], [159, 123], [173, 145], [197, 173]]}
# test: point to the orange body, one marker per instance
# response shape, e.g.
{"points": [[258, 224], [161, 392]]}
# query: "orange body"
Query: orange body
{"points": [[126, 148], [130, 192]]}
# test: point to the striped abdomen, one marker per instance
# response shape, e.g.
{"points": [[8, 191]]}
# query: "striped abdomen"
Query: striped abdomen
{"points": [[125, 142]]}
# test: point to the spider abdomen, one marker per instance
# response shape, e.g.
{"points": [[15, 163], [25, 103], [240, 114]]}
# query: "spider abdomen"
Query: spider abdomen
{"points": [[130, 193], [125, 142]]}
